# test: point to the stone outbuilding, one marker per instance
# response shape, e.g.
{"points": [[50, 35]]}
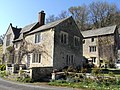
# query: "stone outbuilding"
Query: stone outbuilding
{"points": [[100, 46]]}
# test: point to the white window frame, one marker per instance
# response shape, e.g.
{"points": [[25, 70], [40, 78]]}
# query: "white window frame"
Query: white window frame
{"points": [[63, 37], [37, 37], [93, 59], [92, 48], [37, 58]]}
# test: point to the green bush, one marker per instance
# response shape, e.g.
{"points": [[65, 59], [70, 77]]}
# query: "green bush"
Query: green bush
{"points": [[96, 71], [25, 80], [2, 67], [2, 73]]}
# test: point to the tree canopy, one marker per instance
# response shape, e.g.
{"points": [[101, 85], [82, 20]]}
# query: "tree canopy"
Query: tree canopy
{"points": [[94, 15]]}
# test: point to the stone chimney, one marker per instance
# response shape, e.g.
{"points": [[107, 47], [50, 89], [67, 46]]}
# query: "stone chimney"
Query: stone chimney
{"points": [[41, 18]]}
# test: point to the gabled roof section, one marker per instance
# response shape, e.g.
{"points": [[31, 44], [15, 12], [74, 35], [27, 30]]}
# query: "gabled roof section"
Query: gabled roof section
{"points": [[49, 25], [28, 27], [99, 32], [25, 29], [16, 31]]}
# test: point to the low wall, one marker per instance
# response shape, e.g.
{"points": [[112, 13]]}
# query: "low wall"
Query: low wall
{"points": [[38, 73]]}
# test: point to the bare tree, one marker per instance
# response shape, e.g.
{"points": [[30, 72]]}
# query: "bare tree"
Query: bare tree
{"points": [[80, 14], [52, 18], [63, 14], [102, 14], [1, 38]]}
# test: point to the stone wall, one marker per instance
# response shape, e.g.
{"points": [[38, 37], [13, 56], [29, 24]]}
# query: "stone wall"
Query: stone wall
{"points": [[9, 32], [44, 47], [38, 73], [61, 50], [106, 48], [86, 49]]}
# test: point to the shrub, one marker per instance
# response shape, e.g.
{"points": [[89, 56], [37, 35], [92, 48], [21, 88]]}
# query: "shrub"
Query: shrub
{"points": [[2, 67], [96, 71], [111, 74], [2, 74], [25, 80]]}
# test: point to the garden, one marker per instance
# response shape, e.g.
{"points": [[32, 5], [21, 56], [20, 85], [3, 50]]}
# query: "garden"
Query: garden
{"points": [[98, 79]]}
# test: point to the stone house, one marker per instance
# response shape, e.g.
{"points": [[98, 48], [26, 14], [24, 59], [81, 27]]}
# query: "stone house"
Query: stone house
{"points": [[100, 45], [54, 46], [11, 34], [41, 47]]}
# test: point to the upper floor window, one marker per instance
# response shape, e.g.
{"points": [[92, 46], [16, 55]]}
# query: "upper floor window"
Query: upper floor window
{"points": [[36, 58], [83, 41], [92, 39], [92, 48], [76, 41], [8, 39], [16, 45], [64, 37], [37, 38]]}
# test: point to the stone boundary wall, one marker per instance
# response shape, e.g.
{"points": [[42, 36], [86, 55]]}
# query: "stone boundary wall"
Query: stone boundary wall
{"points": [[38, 73]]}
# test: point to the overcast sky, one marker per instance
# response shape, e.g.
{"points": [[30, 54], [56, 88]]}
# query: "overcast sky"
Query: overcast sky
{"points": [[24, 12]]}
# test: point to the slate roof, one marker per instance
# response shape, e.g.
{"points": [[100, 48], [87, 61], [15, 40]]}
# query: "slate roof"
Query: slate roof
{"points": [[16, 32], [43, 27], [49, 25], [25, 29], [99, 32], [28, 27]]}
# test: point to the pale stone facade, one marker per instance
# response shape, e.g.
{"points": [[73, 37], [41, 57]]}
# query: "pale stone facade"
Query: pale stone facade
{"points": [[100, 46], [11, 34], [41, 48], [86, 49], [55, 53], [46, 47]]}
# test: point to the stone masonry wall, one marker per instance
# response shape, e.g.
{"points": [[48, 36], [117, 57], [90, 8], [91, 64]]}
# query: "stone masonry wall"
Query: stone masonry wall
{"points": [[62, 50], [38, 73]]}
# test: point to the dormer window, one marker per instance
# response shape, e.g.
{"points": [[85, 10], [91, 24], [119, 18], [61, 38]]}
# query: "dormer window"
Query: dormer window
{"points": [[64, 37]]}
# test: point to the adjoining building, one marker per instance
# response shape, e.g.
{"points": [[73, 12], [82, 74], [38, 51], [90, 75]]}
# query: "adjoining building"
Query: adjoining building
{"points": [[101, 45]]}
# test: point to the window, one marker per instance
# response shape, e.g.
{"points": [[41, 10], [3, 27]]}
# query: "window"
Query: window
{"points": [[64, 37], [92, 48], [92, 39], [36, 58], [69, 59], [37, 38], [76, 41], [93, 59], [101, 61], [8, 40], [16, 45], [83, 41]]}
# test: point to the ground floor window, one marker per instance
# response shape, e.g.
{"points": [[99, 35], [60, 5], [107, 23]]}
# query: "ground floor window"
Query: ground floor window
{"points": [[69, 59], [93, 59], [36, 58]]}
